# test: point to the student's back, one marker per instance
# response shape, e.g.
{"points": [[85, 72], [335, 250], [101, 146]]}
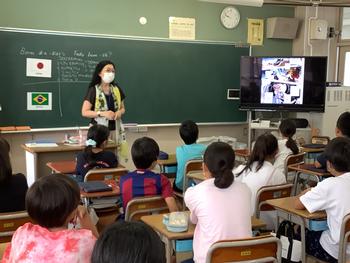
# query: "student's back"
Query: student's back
{"points": [[94, 156], [331, 195], [189, 151], [259, 172], [219, 207], [143, 181], [13, 187], [266, 175]]}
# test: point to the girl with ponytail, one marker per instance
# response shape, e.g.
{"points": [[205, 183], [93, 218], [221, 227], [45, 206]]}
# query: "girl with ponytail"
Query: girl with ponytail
{"points": [[286, 146], [215, 202], [94, 155], [259, 171]]}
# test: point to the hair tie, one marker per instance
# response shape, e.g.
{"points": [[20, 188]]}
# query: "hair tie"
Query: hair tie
{"points": [[90, 142]]}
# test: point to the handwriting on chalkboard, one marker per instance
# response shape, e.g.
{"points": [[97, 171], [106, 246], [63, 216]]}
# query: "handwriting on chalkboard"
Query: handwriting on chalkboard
{"points": [[71, 66]]}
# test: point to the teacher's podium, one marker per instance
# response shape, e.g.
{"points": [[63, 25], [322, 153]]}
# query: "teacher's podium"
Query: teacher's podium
{"points": [[37, 157]]}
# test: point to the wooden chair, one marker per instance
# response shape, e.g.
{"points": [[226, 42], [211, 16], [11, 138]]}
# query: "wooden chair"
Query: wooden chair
{"points": [[9, 222], [104, 174], [257, 249], [293, 159], [140, 206], [270, 192], [344, 238], [101, 175], [320, 140]]}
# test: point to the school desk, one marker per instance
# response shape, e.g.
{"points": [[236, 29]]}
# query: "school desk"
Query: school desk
{"points": [[37, 157], [63, 167], [171, 161], [305, 169], [156, 222], [285, 209], [114, 192]]}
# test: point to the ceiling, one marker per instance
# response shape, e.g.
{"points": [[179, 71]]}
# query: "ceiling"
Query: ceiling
{"points": [[332, 3]]}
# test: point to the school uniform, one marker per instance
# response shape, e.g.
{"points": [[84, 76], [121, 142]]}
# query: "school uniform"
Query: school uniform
{"points": [[141, 183], [184, 153], [104, 159], [218, 214], [331, 195], [267, 175], [281, 156]]}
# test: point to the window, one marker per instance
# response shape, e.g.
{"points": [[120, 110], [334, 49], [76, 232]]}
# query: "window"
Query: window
{"points": [[346, 23]]}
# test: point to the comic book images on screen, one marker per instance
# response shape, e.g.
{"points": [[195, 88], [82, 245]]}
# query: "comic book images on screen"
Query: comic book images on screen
{"points": [[282, 80]]}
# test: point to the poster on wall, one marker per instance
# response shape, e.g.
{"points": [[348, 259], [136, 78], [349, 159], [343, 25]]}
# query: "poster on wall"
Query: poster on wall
{"points": [[255, 31], [182, 28], [39, 100], [38, 68]]}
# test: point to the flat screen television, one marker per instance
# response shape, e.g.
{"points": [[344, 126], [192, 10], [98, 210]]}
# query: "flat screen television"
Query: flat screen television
{"points": [[283, 83]]}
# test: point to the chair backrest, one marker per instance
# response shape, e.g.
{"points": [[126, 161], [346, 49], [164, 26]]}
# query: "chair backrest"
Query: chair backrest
{"points": [[140, 206], [102, 174], [293, 159], [344, 238], [268, 193], [191, 166], [9, 222], [256, 249], [320, 140]]}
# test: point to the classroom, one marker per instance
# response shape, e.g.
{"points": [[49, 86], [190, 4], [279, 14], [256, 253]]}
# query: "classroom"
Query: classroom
{"points": [[168, 73]]}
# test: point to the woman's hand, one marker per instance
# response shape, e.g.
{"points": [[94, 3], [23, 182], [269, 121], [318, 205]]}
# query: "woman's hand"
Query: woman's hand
{"points": [[110, 115], [118, 114]]}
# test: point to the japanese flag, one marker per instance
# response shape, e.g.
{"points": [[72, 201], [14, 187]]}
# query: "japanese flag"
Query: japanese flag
{"points": [[38, 67]]}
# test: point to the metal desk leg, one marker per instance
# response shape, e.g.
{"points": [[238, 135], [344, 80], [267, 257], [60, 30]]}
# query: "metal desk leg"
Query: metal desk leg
{"points": [[168, 248], [296, 179]]}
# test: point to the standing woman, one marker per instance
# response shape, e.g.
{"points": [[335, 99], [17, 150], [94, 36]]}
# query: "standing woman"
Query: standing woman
{"points": [[104, 102]]}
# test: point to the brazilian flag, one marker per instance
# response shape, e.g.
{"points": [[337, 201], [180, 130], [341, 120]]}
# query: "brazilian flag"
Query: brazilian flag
{"points": [[40, 99]]}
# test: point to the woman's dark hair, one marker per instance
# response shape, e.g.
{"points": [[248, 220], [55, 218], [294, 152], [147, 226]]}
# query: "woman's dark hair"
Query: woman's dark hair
{"points": [[51, 199], [189, 131], [343, 123], [98, 133], [5, 163], [338, 154], [266, 145], [288, 129], [219, 157], [126, 242], [144, 152], [96, 79]]}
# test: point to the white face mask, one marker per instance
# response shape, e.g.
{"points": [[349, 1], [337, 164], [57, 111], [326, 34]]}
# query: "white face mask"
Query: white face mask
{"points": [[108, 77]]}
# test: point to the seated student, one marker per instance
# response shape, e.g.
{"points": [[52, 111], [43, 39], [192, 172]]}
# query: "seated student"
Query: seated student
{"points": [[53, 202], [331, 195], [143, 181], [129, 242], [190, 150], [13, 187], [286, 146], [259, 171], [342, 129], [94, 155], [219, 207]]}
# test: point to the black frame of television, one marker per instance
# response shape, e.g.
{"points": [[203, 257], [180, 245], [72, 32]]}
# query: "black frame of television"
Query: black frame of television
{"points": [[311, 89]]}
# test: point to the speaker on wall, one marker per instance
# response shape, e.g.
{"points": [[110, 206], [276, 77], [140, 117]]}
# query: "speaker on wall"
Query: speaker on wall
{"points": [[282, 27]]}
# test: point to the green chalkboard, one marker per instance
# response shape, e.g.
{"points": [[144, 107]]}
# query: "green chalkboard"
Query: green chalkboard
{"points": [[164, 81]]}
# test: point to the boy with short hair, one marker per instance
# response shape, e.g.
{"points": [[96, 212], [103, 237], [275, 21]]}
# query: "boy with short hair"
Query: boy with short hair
{"points": [[342, 129], [189, 151], [331, 195], [143, 181]]}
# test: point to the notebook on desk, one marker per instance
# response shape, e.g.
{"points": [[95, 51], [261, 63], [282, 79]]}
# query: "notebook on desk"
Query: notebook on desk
{"points": [[95, 186]]}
